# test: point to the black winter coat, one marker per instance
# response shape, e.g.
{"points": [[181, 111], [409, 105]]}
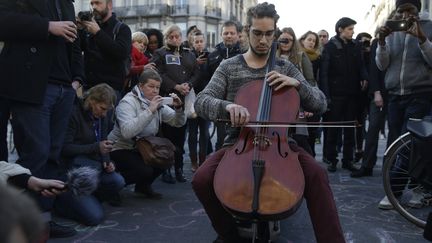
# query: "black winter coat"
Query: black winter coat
{"points": [[105, 56], [175, 70], [80, 137], [27, 50], [342, 68]]}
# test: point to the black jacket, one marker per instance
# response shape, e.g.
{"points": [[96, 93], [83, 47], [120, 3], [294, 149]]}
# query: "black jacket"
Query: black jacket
{"points": [[27, 52], [175, 71], [221, 53], [104, 56], [342, 68], [204, 75], [80, 137]]}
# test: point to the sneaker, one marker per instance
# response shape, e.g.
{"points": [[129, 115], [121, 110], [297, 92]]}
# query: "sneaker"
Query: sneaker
{"points": [[60, 231], [385, 204], [416, 199]]}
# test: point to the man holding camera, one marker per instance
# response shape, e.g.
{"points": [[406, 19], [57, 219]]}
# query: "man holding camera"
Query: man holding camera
{"points": [[405, 52], [106, 44]]}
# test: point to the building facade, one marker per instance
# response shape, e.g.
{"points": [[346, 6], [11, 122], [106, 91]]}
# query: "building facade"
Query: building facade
{"points": [[208, 15], [381, 9]]}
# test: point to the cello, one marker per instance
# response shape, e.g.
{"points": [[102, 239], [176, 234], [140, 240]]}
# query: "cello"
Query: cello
{"points": [[260, 178]]}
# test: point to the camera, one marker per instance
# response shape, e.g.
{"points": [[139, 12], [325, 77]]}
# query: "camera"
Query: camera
{"points": [[204, 54], [366, 43], [85, 16], [398, 25]]}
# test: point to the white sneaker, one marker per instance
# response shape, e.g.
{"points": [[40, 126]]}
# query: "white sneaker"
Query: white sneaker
{"points": [[416, 198], [385, 204]]}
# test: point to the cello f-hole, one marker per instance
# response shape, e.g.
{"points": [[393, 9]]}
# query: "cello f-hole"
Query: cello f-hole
{"points": [[244, 145], [279, 145]]}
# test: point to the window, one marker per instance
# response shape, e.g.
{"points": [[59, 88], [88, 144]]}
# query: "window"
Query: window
{"points": [[211, 35]]}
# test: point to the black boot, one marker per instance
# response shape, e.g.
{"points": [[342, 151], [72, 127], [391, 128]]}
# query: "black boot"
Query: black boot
{"points": [[179, 175], [349, 166], [362, 172], [332, 167], [167, 177]]}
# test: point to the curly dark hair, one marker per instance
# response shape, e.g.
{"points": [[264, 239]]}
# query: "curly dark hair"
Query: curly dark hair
{"points": [[260, 11]]}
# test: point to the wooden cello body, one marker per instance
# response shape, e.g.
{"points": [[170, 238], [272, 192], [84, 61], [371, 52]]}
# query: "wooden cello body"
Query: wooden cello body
{"points": [[260, 177]]}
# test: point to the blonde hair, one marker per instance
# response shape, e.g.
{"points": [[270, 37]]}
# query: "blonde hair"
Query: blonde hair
{"points": [[171, 29], [101, 93], [140, 37]]}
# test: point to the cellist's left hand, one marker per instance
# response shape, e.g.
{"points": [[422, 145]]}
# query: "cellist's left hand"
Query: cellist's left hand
{"points": [[278, 81]]}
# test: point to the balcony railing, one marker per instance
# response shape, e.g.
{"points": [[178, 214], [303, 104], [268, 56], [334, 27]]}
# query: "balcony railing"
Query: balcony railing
{"points": [[143, 10], [213, 12], [180, 9]]}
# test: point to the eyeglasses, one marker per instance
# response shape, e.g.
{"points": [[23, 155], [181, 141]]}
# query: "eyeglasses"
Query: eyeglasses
{"points": [[260, 34], [323, 36]]}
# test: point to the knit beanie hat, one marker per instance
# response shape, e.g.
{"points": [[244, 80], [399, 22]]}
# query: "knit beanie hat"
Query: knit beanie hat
{"points": [[416, 3], [343, 23]]}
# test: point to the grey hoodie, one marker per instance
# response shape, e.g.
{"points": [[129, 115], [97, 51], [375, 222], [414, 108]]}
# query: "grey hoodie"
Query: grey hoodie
{"points": [[408, 64]]}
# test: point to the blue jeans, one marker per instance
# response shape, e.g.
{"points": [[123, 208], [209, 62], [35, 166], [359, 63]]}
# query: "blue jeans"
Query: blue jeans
{"points": [[88, 210], [41, 128]]}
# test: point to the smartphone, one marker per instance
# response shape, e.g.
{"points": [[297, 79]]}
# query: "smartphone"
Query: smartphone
{"points": [[204, 54], [398, 25], [167, 100]]}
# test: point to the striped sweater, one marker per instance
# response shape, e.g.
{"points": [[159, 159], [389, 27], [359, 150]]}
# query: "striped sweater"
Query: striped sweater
{"points": [[234, 73]]}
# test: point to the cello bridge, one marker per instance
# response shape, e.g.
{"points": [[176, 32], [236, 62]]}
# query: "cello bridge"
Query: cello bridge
{"points": [[261, 141]]}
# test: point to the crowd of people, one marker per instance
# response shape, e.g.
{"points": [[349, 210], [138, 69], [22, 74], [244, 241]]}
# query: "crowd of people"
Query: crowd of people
{"points": [[84, 91]]}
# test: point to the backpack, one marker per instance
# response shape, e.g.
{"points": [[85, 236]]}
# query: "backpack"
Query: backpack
{"points": [[127, 63]]}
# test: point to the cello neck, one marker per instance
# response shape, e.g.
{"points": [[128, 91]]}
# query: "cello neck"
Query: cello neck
{"points": [[266, 91]]}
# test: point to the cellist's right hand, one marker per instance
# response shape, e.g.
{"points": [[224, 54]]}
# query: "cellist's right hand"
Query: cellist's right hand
{"points": [[239, 115]]}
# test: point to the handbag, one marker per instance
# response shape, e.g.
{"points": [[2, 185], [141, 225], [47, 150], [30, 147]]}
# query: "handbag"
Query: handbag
{"points": [[156, 151]]}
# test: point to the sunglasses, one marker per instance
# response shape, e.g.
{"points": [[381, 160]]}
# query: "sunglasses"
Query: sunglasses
{"points": [[285, 41]]}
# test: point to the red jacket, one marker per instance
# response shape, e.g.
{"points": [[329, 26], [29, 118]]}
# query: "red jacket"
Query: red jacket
{"points": [[138, 61]]}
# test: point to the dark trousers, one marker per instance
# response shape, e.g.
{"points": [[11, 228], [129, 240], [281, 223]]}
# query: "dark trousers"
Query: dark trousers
{"points": [[341, 109], [313, 133], [177, 135], [4, 118], [132, 167], [193, 126], [318, 195], [400, 109], [87, 209], [376, 118], [221, 134], [40, 130]]}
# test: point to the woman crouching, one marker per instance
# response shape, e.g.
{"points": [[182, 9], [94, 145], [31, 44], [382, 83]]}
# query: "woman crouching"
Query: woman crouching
{"points": [[140, 114]]}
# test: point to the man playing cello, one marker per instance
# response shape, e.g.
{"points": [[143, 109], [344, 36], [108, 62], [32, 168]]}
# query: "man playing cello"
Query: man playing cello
{"points": [[216, 101]]}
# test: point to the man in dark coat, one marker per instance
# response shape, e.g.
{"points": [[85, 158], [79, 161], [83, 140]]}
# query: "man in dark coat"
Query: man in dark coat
{"points": [[343, 75], [40, 60]]}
